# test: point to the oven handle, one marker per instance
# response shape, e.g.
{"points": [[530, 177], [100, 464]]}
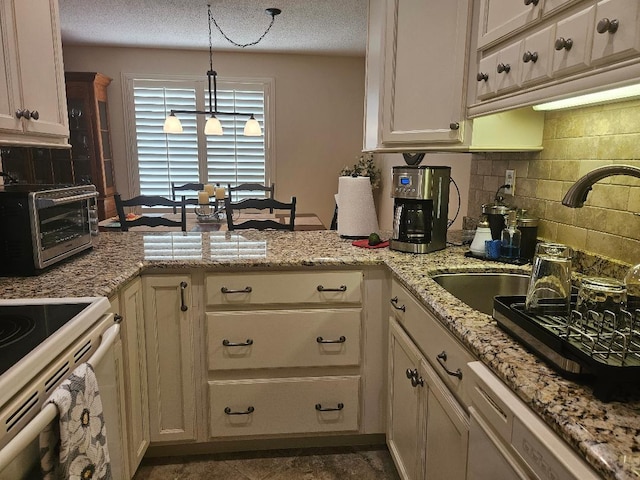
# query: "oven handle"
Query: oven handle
{"points": [[51, 202], [49, 412]]}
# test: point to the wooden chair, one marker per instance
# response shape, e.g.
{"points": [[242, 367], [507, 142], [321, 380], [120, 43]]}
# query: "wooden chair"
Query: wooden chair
{"points": [[235, 210], [192, 187], [250, 187], [150, 201]]}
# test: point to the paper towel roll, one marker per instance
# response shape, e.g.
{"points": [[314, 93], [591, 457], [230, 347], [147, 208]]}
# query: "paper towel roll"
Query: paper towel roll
{"points": [[356, 210]]}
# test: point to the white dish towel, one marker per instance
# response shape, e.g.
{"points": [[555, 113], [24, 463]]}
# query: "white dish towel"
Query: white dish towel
{"points": [[75, 446]]}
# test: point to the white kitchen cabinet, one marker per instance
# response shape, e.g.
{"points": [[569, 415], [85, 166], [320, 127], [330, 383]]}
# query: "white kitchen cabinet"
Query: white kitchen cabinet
{"points": [[416, 84], [427, 430], [32, 94], [593, 45], [502, 17], [305, 325], [617, 30], [133, 336], [171, 357]]}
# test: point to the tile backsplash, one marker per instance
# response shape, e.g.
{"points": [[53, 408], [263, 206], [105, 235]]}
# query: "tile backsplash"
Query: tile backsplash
{"points": [[575, 142]]}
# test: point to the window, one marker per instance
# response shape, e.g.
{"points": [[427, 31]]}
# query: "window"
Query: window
{"points": [[191, 156]]}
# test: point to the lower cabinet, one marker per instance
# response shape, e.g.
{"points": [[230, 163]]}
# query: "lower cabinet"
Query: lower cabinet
{"points": [[427, 429], [171, 358]]}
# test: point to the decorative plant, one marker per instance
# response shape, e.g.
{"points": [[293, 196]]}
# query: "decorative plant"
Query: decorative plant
{"points": [[364, 167]]}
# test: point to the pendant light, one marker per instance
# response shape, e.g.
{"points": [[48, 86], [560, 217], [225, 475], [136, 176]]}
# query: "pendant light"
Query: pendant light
{"points": [[213, 126]]}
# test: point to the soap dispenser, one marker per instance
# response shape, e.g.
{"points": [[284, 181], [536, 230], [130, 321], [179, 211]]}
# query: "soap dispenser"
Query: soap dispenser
{"points": [[511, 237], [483, 233]]}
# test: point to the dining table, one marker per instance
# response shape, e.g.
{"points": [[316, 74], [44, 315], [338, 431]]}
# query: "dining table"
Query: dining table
{"points": [[303, 221]]}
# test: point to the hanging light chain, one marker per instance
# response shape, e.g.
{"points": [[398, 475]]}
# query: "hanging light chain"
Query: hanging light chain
{"points": [[271, 11]]}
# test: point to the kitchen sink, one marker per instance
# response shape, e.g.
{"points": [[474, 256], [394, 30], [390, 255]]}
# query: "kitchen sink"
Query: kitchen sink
{"points": [[478, 289]]}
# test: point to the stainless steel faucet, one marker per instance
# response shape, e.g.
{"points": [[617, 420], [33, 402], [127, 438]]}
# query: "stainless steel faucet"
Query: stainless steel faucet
{"points": [[577, 194]]}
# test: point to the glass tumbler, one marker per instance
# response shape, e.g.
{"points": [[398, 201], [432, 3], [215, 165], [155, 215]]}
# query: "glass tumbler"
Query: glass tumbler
{"points": [[549, 291], [597, 294]]}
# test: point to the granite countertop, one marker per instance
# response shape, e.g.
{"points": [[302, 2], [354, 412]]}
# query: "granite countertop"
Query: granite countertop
{"points": [[607, 435]]}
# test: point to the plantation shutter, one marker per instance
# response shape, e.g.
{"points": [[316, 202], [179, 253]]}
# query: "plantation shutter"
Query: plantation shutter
{"points": [[163, 158]]}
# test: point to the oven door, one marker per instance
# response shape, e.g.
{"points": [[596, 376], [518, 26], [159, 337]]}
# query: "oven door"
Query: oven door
{"points": [[62, 226]]}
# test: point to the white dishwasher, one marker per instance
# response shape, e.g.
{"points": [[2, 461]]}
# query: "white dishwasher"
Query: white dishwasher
{"points": [[508, 441]]}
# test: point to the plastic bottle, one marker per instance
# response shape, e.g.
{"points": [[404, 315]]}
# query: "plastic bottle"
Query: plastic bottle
{"points": [[511, 237], [632, 282]]}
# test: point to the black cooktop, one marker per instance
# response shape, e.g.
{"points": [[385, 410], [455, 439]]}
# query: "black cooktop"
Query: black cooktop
{"points": [[24, 327]]}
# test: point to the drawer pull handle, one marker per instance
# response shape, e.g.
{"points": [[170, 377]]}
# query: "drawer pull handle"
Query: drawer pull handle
{"points": [[605, 25], [530, 57], [338, 407], [412, 373], [482, 77], [563, 44], [341, 288], [503, 67], [442, 358], [417, 381], [342, 339], [249, 410], [183, 305], [244, 290], [394, 304], [227, 343]]}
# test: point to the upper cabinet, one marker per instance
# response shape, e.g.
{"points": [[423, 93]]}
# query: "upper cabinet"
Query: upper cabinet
{"points": [[32, 94], [416, 81], [531, 51]]}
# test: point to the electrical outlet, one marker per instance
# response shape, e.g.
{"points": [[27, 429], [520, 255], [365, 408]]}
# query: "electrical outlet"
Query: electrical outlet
{"points": [[510, 179]]}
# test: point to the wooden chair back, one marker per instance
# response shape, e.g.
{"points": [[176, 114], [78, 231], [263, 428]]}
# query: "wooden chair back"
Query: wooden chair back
{"points": [[191, 187], [234, 211], [150, 201]]}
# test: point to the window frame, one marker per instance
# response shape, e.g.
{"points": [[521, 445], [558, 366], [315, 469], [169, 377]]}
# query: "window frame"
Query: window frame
{"points": [[267, 85]]}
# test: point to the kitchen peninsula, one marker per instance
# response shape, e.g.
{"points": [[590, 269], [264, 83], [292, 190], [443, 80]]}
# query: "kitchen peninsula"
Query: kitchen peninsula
{"points": [[604, 434]]}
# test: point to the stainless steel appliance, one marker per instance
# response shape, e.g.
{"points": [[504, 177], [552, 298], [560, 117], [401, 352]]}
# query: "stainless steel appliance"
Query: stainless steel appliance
{"points": [[43, 224], [42, 341], [421, 207]]}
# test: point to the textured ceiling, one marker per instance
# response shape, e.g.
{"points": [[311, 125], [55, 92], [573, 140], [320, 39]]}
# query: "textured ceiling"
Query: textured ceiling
{"points": [[332, 27]]}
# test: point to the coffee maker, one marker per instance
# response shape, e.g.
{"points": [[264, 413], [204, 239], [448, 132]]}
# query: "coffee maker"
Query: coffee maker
{"points": [[420, 208]]}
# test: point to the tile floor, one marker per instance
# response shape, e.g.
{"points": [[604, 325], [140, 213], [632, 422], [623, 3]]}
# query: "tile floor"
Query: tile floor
{"points": [[344, 463]]}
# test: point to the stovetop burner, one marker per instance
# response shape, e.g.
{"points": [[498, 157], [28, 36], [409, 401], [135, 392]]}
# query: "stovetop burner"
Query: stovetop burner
{"points": [[24, 327], [14, 327], [605, 348]]}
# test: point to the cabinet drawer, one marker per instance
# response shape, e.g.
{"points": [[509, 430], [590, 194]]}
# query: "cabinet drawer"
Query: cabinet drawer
{"points": [[448, 357], [283, 406], [238, 289], [283, 338]]}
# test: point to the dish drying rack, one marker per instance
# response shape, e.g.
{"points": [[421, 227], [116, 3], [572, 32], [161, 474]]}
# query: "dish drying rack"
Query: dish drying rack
{"points": [[604, 346]]}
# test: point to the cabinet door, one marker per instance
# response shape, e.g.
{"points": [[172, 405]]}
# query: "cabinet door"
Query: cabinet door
{"points": [[571, 45], [447, 431], [617, 32], [405, 421], [169, 328], [507, 68], [498, 18], [131, 309], [9, 93], [40, 66], [536, 57], [425, 56]]}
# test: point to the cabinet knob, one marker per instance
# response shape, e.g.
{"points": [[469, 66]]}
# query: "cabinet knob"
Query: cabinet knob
{"points": [[563, 44], [504, 67], [454, 126], [481, 76], [531, 2], [530, 57], [27, 114], [605, 25]]}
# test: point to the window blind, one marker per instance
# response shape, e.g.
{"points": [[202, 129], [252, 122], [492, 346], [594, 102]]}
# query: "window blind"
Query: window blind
{"points": [[163, 158]]}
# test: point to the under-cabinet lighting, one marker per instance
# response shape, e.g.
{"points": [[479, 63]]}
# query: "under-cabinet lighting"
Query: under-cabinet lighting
{"points": [[615, 94]]}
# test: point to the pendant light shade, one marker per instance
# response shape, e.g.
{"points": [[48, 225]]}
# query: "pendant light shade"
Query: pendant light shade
{"points": [[172, 124], [213, 126], [252, 128]]}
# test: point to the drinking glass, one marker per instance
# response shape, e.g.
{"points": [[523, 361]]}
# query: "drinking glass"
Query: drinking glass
{"points": [[549, 291], [598, 294]]}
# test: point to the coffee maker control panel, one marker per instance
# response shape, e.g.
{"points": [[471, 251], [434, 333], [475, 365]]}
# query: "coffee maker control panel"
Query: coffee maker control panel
{"points": [[410, 183]]}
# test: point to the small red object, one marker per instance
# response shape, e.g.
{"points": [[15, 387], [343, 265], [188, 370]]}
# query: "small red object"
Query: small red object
{"points": [[365, 244]]}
